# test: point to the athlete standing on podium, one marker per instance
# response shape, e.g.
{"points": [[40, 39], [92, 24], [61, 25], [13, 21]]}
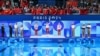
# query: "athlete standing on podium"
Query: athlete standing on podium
{"points": [[10, 30], [47, 27], [2, 30], [73, 29], [59, 26], [21, 31], [83, 30], [16, 30], [88, 30], [36, 28]]}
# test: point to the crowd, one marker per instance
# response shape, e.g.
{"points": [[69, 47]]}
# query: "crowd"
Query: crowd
{"points": [[26, 7]]}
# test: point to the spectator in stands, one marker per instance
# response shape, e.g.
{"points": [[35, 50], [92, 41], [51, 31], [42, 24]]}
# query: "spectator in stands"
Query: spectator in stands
{"points": [[74, 10], [45, 10], [8, 3], [69, 10], [7, 11], [24, 3], [62, 11], [95, 10], [99, 9], [1, 3], [39, 10], [26, 6], [1, 11], [53, 10], [26, 9], [33, 10], [17, 10], [83, 11], [31, 3], [58, 10]]}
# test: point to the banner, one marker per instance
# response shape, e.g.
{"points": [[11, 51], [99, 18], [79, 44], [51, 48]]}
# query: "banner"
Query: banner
{"points": [[48, 17]]}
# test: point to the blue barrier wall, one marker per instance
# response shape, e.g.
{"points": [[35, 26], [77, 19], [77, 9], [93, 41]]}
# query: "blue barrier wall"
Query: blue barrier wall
{"points": [[48, 17], [47, 2]]}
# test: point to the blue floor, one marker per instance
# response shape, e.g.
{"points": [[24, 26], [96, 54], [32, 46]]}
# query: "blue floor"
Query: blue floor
{"points": [[20, 48], [69, 51]]}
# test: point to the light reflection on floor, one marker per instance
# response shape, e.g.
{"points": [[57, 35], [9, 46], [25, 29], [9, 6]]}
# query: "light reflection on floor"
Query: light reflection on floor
{"points": [[43, 49], [69, 51]]}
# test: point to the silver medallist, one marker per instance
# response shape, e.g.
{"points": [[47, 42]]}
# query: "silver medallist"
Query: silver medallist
{"points": [[88, 30], [16, 30], [73, 30], [21, 31], [83, 30], [59, 26]]}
